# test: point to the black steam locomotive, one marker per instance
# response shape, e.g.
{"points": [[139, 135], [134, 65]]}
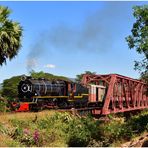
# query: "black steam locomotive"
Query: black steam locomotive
{"points": [[52, 93]]}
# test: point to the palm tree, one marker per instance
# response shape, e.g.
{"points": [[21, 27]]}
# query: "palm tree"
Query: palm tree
{"points": [[10, 36]]}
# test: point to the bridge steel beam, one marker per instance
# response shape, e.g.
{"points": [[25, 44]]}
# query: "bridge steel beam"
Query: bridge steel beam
{"points": [[123, 93]]}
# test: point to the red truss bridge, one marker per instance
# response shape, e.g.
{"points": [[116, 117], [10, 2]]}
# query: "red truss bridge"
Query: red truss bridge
{"points": [[120, 93]]}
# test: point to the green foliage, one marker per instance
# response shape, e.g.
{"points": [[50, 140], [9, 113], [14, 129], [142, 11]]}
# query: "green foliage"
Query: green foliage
{"points": [[75, 131], [3, 130], [139, 38], [13, 143], [118, 130], [49, 76], [113, 131], [138, 123], [25, 133], [24, 136], [79, 77], [10, 87], [10, 36], [81, 131], [20, 123], [2, 106], [144, 77]]}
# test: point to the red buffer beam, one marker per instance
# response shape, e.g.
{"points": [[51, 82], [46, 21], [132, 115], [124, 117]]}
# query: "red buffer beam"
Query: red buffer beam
{"points": [[122, 93]]}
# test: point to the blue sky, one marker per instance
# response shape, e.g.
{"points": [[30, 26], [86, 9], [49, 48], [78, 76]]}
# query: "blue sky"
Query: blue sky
{"points": [[68, 38]]}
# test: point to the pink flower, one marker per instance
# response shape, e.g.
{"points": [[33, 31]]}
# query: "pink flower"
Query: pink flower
{"points": [[26, 131], [36, 136]]}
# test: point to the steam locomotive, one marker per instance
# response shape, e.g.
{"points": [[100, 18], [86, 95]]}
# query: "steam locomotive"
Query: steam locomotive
{"points": [[44, 93], [102, 94]]}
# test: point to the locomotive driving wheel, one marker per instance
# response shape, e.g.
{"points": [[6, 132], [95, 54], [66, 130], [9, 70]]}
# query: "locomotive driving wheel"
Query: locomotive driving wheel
{"points": [[62, 103]]}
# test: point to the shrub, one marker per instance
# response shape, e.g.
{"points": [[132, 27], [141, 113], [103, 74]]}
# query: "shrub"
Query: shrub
{"points": [[2, 106], [138, 123], [75, 131]]}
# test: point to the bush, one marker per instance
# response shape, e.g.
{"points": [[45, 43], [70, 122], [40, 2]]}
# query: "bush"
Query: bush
{"points": [[117, 130], [138, 123], [10, 87], [79, 133], [75, 131], [3, 107]]}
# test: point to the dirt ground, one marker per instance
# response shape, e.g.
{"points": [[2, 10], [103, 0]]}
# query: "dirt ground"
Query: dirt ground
{"points": [[141, 141]]}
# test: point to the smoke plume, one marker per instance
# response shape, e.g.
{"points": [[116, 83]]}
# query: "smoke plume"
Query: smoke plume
{"points": [[97, 33], [31, 63]]}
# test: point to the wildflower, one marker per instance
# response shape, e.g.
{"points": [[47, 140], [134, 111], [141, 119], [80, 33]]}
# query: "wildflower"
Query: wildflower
{"points": [[36, 136], [26, 131]]}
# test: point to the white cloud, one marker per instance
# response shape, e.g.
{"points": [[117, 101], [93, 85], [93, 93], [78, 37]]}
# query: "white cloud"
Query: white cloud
{"points": [[50, 66]]}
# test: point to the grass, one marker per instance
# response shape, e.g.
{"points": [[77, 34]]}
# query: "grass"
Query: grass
{"points": [[54, 129], [25, 115], [11, 122]]}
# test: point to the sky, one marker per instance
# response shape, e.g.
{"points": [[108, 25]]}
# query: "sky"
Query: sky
{"points": [[70, 37]]}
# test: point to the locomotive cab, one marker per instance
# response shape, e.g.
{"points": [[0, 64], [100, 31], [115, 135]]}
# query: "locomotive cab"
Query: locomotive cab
{"points": [[97, 95]]}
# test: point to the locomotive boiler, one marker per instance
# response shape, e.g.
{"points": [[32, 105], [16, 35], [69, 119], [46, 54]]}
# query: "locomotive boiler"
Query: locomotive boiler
{"points": [[47, 93], [29, 87]]}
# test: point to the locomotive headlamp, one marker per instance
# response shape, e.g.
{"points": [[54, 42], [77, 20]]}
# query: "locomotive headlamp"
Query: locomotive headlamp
{"points": [[25, 88]]}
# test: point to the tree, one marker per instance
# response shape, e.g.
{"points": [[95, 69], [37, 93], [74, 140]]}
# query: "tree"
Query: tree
{"points": [[48, 76], [10, 87], [10, 36], [79, 77], [138, 40]]}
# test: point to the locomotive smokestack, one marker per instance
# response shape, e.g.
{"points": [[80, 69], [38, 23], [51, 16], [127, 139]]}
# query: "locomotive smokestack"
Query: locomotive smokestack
{"points": [[23, 78]]}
